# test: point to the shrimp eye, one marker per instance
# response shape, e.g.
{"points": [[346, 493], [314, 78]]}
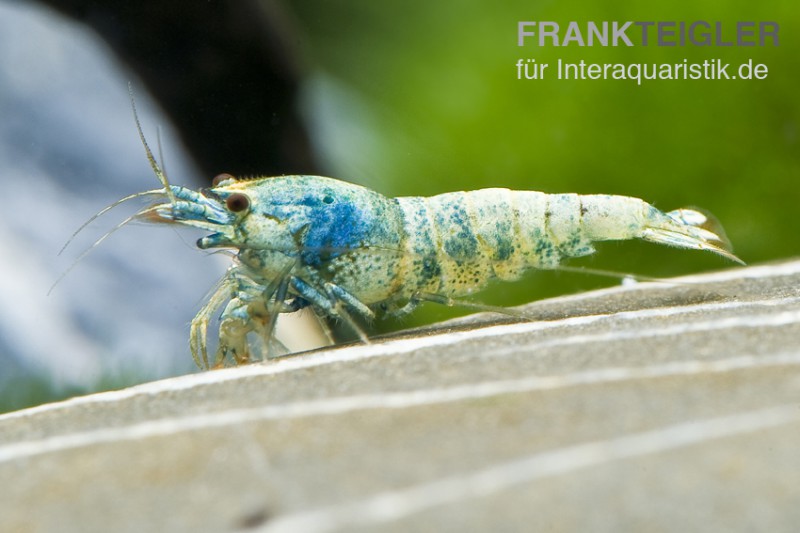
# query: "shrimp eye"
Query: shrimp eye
{"points": [[219, 178], [237, 202], [327, 199]]}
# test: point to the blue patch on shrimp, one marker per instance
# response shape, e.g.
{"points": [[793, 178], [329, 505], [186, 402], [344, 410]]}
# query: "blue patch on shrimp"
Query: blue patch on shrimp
{"points": [[458, 241], [504, 246], [338, 227]]}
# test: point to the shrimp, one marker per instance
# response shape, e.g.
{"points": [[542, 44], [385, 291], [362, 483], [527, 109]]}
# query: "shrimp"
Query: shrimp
{"points": [[344, 250]]}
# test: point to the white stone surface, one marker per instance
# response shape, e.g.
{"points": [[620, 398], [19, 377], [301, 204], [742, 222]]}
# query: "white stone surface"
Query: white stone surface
{"points": [[658, 406]]}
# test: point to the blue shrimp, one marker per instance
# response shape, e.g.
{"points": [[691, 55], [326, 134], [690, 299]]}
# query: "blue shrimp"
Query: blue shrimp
{"points": [[343, 250]]}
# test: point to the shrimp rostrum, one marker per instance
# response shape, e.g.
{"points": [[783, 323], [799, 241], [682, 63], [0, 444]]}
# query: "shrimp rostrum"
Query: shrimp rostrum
{"points": [[346, 251]]}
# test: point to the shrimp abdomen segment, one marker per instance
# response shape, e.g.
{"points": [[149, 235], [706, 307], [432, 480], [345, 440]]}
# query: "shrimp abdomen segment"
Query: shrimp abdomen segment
{"points": [[458, 241]]}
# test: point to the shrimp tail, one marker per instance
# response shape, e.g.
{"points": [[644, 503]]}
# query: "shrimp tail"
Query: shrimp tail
{"points": [[606, 217], [690, 228]]}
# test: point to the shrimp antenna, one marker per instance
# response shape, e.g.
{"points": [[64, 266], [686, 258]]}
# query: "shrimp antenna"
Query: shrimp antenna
{"points": [[106, 210], [105, 235], [160, 174], [161, 158], [153, 164]]}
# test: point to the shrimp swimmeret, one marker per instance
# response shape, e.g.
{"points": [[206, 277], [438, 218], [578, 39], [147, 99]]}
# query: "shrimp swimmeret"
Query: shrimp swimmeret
{"points": [[342, 249]]}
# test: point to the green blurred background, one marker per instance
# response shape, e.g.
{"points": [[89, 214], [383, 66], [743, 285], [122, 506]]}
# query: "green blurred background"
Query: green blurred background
{"points": [[428, 101], [420, 98]]}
